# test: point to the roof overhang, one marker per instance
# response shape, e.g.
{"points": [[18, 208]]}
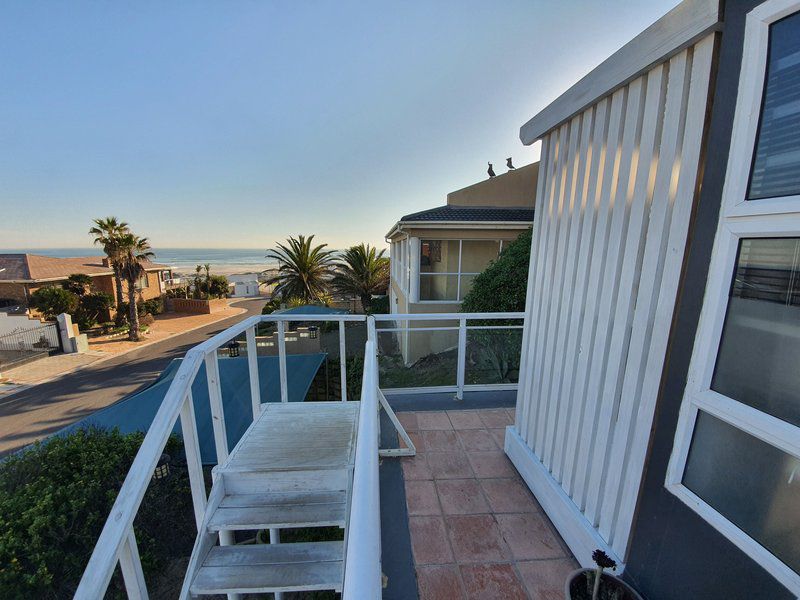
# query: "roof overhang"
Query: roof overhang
{"points": [[53, 279], [681, 27], [400, 226]]}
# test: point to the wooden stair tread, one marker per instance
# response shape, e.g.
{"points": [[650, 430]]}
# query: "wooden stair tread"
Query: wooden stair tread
{"points": [[270, 567], [277, 516]]}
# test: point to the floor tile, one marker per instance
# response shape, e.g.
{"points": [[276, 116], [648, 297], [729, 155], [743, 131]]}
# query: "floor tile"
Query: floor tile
{"points": [[512, 414], [429, 541], [415, 467], [449, 465], [440, 441], [417, 440], [422, 499], [439, 583], [430, 420], [495, 417], [465, 419], [461, 497], [476, 538], [492, 582], [529, 536], [544, 579], [509, 495], [477, 440], [408, 420], [491, 464], [499, 435]]}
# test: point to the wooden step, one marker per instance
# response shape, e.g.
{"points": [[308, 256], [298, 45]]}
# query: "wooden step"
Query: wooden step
{"points": [[279, 510], [262, 568]]}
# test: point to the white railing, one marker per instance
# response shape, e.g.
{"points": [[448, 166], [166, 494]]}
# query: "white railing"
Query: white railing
{"points": [[362, 572], [117, 543], [453, 330]]}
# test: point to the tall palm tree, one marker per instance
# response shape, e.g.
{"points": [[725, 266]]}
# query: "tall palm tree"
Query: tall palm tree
{"points": [[133, 250], [207, 268], [198, 293], [362, 271], [304, 271], [106, 233]]}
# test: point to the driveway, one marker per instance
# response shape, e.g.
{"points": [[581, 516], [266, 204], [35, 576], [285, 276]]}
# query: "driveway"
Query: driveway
{"points": [[44, 409]]}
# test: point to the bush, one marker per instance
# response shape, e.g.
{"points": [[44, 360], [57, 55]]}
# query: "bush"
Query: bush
{"points": [[154, 306], [52, 301], [215, 287], [379, 306], [55, 498], [503, 284], [90, 307]]}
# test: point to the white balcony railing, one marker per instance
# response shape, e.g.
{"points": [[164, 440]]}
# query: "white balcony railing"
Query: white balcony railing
{"points": [[362, 578]]}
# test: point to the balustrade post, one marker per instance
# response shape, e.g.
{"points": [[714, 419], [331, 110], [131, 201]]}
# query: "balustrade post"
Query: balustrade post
{"points": [[131, 566], [217, 412], [343, 360], [194, 462], [282, 360], [461, 365], [252, 366]]}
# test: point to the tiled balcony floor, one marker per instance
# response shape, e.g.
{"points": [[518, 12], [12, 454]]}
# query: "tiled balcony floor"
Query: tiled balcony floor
{"points": [[476, 529]]}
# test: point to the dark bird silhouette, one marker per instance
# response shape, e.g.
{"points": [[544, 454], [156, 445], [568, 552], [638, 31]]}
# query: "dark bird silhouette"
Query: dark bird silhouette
{"points": [[509, 165], [490, 170]]}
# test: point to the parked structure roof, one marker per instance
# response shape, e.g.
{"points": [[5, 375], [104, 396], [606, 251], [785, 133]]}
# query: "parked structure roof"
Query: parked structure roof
{"points": [[36, 267]]}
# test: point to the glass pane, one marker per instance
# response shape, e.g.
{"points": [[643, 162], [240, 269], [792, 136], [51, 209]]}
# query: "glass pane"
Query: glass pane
{"points": [[438, 287], [477, 254], [758, 355], [752, 484], [438, 256], [776, 166], [493, 356], [466, 285], [415, 357]]}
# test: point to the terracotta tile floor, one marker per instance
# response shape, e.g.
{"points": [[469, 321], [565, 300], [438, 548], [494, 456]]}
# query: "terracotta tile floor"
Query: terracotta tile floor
{"points": [[476, 529]]}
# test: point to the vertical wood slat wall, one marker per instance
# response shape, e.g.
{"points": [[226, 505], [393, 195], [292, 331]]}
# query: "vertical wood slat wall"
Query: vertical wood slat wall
{"points": [[616, 189]]}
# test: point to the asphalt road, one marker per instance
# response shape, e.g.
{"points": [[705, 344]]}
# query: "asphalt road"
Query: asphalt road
{"points": [[44, 409]]}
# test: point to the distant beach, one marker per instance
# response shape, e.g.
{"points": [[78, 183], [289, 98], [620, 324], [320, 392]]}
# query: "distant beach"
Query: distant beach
{"points": [[234, 263]]}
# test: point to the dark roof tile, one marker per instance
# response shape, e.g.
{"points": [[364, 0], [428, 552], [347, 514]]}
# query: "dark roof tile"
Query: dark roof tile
{"points": [[450, 212]]}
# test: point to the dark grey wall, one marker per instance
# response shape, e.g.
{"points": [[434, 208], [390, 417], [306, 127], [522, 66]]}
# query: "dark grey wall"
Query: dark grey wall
{"points": [[674, 554]]}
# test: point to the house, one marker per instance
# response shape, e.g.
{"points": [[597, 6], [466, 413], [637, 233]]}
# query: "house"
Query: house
{"points": [[658, 414], [436, 253], [23, 274]]}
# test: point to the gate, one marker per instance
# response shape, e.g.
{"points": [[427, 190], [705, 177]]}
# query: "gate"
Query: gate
{"points": [[29, 344]]}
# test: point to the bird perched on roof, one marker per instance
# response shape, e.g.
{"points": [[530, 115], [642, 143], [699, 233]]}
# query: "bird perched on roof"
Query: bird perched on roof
{"points": [[509, 165], [490, 170]]}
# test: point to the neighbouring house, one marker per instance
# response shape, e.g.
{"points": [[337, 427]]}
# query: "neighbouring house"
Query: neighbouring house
{"points": [[658, 414], [436, 253], [23, 274]]}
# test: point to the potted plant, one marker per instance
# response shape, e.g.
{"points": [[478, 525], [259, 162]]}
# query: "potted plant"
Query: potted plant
{"points": [[594, 584]]}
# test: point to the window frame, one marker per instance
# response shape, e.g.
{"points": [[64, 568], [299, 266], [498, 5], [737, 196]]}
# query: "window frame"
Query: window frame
{"points": [[739, 218], [458, 274]]}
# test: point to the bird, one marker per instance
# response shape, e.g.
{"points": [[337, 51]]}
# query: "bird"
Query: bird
{"points": [[490, 170], [509, 165]]}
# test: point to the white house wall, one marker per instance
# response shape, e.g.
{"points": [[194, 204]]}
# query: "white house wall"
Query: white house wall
{"points": [[616, 189]]}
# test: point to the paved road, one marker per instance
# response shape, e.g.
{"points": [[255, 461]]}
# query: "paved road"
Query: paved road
{"points": [[36, 413]]}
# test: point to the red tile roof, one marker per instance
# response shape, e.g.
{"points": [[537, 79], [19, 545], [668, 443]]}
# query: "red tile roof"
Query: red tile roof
{"points": [[35, 267]]}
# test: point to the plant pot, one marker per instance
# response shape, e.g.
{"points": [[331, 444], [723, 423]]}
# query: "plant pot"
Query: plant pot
{"points": [[582, 588]]}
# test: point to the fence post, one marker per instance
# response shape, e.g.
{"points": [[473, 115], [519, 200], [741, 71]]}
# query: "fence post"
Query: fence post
{"points": [[282, 360], [131, 566], [217, 412], [65, 333], [461, 365], [252, 365], [343, 360], [194, 462]]}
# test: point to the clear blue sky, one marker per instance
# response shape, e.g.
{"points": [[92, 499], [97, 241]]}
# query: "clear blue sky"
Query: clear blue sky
{"points": [[236, 124]]}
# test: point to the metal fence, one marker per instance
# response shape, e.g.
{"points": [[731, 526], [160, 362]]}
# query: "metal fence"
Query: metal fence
{"points": [[39, 339]]}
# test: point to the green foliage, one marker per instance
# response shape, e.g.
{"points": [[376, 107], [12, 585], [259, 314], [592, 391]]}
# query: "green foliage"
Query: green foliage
{"points": [[52, 301], [213, 286], [77, 283], [362, 272], [379, 306], [90, 307], [55, 498], [503, 284], [304, 271], [177, 292], [153, 306]]}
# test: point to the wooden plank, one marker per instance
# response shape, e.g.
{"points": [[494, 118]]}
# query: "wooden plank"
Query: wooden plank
{"points": [[277, 516], [131, 567], [217, 412], [269, 554], [285, 498], [252, 369], [194, 464], [684, 25], [254, 482]]}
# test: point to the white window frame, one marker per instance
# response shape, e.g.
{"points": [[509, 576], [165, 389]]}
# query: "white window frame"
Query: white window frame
{"points": [[739, 218], [460, 273]]}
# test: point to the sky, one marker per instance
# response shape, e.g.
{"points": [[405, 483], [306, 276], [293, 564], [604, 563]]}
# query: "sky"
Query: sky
{"points": [[236, 124]]}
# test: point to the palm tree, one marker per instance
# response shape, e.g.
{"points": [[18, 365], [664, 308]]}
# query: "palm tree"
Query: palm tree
{"points": [[106, 233], [362, 271], [207, 268], [304, 271], [133, 250], [198, 294]]}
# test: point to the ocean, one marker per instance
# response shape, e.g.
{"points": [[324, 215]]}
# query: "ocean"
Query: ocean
{"points": [[184, 260]]}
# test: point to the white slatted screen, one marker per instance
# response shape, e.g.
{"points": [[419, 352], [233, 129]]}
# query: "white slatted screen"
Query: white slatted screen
{"points": [[616, 189]]}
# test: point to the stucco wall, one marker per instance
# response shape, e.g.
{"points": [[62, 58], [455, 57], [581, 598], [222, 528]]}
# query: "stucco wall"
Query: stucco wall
{"points": [[515, 188]]}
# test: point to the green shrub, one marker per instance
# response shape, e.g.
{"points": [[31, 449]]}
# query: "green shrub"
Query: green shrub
{"points": [[215, 287], [154, 306], [503, 284], [90, 307], [52, 301], [379, 306], [55, 498]]}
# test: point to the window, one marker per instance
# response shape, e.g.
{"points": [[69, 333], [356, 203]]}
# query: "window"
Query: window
{"points": [[736, 458], [448, 267], [143, 282]]}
